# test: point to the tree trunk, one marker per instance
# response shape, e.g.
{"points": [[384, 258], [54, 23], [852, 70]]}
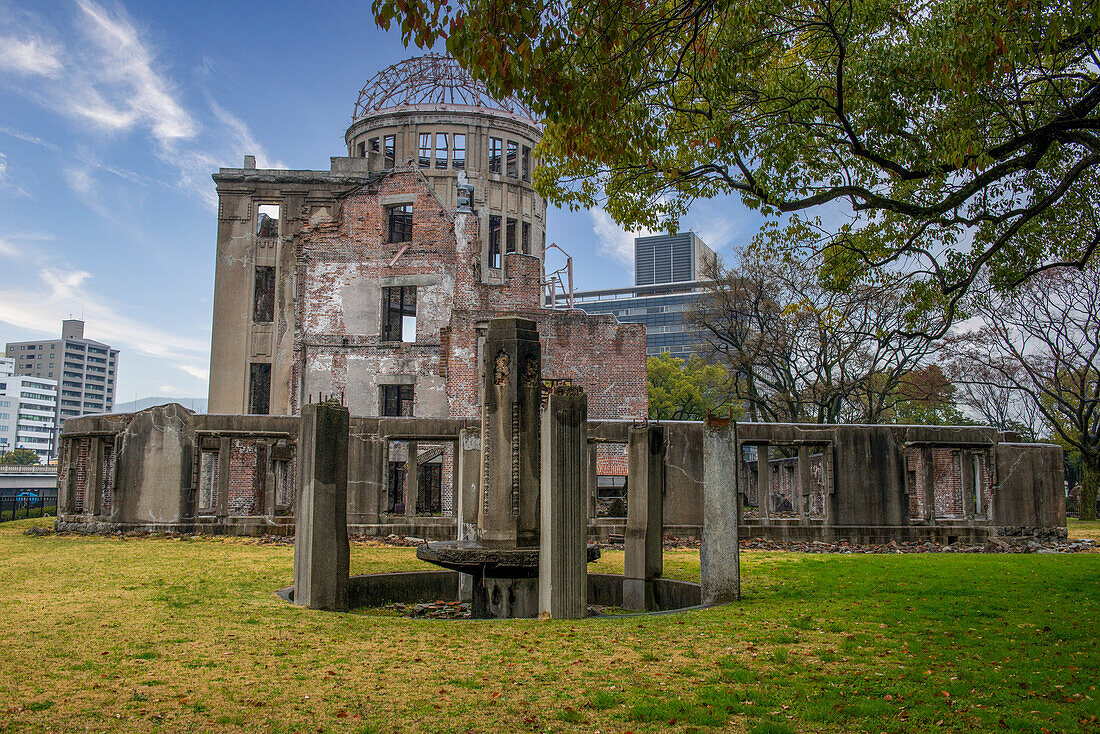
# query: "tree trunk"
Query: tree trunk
{"points": [[1090, 483]]}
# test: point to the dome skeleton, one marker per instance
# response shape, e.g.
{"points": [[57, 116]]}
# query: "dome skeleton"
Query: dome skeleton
{"points": [[430, 79]]}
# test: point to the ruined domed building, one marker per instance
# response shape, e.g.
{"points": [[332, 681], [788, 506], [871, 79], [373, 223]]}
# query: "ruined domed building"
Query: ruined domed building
{"points": [[374, 280]]}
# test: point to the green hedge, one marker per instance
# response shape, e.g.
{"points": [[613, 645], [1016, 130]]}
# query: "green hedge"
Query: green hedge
{"points": [[24, 514]]}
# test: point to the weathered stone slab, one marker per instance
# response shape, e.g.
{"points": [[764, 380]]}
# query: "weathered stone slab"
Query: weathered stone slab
{"points": [[321, 551]]}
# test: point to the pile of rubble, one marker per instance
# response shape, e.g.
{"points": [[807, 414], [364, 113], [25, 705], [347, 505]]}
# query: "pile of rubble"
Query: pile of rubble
{"points": [[992, 545], [434, 610]]}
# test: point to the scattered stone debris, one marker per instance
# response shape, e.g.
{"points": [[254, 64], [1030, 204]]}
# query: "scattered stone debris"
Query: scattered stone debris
{"points": [[991, 545], [434, 610]]}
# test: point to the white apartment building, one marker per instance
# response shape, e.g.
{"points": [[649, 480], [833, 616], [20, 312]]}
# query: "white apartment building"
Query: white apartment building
{"points": [[28, 415]]}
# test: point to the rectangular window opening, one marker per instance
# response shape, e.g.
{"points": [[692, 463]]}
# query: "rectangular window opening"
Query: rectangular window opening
{"points": [[510, 236], [458, 158], [513, 159], [425, 150], [526, 163], [263, 298], [259, 388], [399, 314], [267, 220], [400, 223], [374, 147], [441, 150], [389, 146], [495, 152], [526, 239], [395, 494], [362, 150], [494, 241], [397, 401]]}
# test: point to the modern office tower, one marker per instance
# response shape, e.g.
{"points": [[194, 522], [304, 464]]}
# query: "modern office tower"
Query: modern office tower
{"points": [[85, 370], [669, 272], [28, 415]]}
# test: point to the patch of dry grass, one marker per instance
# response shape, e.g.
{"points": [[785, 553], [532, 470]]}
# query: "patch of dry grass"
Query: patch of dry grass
{"points": [[109, 634]]}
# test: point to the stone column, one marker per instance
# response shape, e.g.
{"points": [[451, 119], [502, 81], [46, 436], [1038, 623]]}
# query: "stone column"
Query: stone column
{"points": [[412, 477], [763, 483], [644, 516], [321, 552], [466, 492], [563, 573], [719, 554], [593, 481], [928, 474], [508, 516], [802, 496], [221, 510], [93, 484], [966, 476]]}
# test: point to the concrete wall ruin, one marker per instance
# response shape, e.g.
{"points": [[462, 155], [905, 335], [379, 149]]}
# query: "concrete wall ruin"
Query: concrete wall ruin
{"points": [[168, 469]]}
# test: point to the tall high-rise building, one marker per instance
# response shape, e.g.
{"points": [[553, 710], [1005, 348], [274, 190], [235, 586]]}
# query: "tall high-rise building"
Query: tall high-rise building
{"points": [[85, 370], [669, 271], [28, 415]]}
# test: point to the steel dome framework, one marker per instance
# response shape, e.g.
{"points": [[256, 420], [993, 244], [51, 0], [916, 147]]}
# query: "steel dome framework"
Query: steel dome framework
{"points": [[430, 79]]}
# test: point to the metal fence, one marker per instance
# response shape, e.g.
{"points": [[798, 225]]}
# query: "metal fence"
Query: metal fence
{"points": [[18, 508]]}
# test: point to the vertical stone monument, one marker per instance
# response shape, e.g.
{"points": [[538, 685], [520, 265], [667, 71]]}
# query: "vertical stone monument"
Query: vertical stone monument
{"points": [[321, 551], [563, 556], [645, 498]]}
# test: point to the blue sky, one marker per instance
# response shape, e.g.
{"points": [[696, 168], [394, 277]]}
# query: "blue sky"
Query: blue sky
{"points": [[114, 115]]}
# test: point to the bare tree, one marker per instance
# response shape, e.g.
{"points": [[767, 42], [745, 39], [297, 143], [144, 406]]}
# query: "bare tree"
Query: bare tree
{"points": [[1043, 340], [803, 352]]}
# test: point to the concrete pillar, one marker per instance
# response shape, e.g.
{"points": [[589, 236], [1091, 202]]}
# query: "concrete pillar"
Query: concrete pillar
{"points": [[928, 474], [467, 477], [802, 496], [93, 484], [269, 478], [321, 551], [412, 477], [563, 573], [509, 508], [225, 448], [966, 476], [763, 483], [593, 481], [644, 516], [719, 553]]}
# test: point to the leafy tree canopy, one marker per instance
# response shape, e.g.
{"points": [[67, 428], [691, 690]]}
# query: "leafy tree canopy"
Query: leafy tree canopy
{"points": [[688, 389], [19, 457], [961, 137]]}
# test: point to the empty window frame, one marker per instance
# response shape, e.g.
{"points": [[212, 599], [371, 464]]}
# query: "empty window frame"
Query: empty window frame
{"points": [[374, 147], [389, 147], [526, 163], [496, 150], [400, 220], [429, 495], [267, 220], [396, 401], [263, 295], [525, 240], [510, 236], [458, 157], [441, 150], [425, 150], [362, 149], [399, 314], [494, 241], [259, 388], [513, 159], [395, 494]]}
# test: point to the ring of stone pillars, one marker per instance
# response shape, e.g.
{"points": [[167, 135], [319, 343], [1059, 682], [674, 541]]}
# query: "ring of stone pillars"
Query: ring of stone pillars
{"points": [[552, 454]]}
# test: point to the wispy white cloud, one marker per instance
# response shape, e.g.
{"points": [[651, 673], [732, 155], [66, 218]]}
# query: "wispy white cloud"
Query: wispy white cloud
{"points": [[7, 249], [31, 55], [199, 373], [64, 292], [718, 232], [615, 242]]}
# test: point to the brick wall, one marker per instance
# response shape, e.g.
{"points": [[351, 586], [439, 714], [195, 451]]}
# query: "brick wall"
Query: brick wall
{"points": [[245, 482]]}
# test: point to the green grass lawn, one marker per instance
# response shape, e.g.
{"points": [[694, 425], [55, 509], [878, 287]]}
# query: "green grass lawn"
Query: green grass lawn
{"points": [[106, 634]]}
